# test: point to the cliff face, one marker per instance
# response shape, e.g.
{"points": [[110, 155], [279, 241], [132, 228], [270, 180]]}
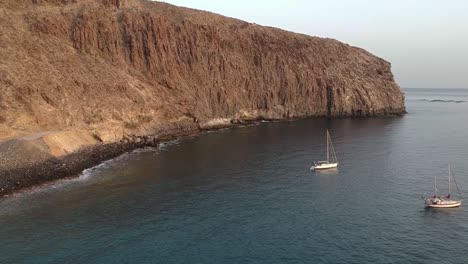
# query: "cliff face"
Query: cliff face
{"points": [[130, 73], [132, 67]]}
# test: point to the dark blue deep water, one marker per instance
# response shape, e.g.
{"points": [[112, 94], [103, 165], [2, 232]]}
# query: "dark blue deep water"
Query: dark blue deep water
{"points": [[246, 195]]}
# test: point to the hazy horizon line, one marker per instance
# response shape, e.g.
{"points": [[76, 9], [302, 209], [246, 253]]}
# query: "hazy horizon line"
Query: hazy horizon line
{"points": [[448, 88]]}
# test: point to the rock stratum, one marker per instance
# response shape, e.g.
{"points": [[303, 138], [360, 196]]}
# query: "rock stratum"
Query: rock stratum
{"points": [[80, 76]]}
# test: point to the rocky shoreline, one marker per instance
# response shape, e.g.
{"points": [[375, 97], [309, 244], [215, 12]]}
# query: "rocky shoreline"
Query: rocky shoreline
{"points": [[69, 166], [13, 180], [51, 169]]}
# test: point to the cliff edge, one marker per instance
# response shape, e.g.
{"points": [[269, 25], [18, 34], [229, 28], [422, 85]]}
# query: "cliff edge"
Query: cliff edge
{"points": [[80, 73]]}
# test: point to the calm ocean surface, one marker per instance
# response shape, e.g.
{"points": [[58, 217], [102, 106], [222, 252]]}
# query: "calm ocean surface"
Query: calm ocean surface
{"points": [[246, 195]]}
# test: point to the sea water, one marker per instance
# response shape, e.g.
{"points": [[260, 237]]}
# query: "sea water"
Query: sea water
{"points": [[247, 195]]}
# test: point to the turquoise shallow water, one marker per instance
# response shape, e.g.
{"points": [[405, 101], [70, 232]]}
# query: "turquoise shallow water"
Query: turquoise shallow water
{"points": [[246, 195]]}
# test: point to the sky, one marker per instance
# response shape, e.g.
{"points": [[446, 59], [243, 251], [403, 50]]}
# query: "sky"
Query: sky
{"points": [[425, 40]]}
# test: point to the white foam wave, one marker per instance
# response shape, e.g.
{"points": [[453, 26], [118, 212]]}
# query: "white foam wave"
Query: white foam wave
{"points": [[87, 174], [165, 145]]}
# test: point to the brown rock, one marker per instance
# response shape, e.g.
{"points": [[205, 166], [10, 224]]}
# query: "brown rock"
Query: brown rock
{"points": [[107, 70], [130, 66]]}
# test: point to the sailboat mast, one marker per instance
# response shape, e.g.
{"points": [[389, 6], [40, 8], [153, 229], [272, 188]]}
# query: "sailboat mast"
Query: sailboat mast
{"points": [[435, 185], [328, 148], [450, 172], [333, 151]]}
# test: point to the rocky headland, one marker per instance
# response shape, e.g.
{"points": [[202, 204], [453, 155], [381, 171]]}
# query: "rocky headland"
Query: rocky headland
{"points": [[82, 81]]}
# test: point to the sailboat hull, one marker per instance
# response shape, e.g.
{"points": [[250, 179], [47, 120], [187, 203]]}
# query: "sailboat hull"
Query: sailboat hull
{"points": [[324, 166], [443, 204]]}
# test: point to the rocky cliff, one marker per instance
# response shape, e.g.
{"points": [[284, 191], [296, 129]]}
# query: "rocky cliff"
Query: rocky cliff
{"points": [[107, 70]]}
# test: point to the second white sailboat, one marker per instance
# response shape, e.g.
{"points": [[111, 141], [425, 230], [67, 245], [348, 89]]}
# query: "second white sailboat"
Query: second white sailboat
{"points": [[437, 201]]}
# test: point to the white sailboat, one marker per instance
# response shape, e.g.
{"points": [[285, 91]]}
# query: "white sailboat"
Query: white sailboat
{"points": [[436, 201], [331, 162]]}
